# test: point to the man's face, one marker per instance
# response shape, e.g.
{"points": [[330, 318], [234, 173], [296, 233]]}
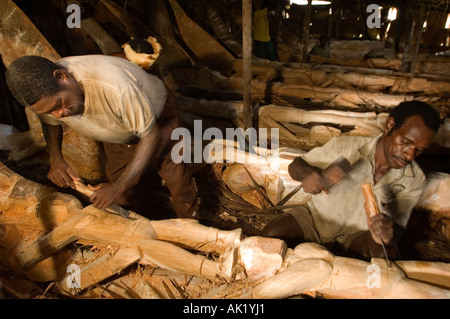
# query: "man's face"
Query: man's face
{"points": [[68, 101], [406, 142]]}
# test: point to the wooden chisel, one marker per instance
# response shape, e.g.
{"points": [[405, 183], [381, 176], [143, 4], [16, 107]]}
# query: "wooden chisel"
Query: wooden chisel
{"points": [[372, 210], [113, 208]]}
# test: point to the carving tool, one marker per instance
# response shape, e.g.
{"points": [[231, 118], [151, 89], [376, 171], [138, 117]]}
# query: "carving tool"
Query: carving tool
{"points": [[113, 208], [373, 210]]}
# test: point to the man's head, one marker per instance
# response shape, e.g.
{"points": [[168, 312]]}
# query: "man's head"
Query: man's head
{"points": [[409, 130], [44, 87], [323, 40]]}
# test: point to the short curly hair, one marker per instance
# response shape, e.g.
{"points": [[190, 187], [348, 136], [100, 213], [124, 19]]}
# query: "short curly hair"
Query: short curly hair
{"points": [[407, 109], [30, 78]]}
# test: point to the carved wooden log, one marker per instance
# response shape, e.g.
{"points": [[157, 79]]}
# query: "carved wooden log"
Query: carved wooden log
{"points": [[282, 94], [437, 273], [276, 183], [186, 233], [92, 225], [315, 270], [267, 168], [261, 257], [296, 279], [435, 200], [376, 63], [26, 206], [286, 119], [396, 83], [190, 234], [28, 211], [154, 253], [100, 269], [371, 121]]}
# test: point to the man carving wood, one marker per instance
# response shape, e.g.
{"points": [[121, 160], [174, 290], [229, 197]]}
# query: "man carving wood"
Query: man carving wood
{"points": [[115, 102], [336, 215]]}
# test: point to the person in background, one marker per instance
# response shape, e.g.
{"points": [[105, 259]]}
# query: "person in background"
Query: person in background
{"points": [[321, 49], [263, 46]]}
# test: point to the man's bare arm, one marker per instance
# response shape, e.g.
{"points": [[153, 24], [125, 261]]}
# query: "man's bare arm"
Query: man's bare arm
{"points": [[60, 172], [309, 175], [383, 229], [106, 193]]}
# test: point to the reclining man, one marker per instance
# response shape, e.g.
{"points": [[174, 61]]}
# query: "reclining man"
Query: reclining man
{"points": [[113, 101], [336, 215]]}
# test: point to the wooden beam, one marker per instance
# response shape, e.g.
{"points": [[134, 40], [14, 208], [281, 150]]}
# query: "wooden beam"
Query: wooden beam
{"points": [[305, 32], [104, 41], [423, 18], [19, 36], [407, 47], [247, 60], [206, 48]]}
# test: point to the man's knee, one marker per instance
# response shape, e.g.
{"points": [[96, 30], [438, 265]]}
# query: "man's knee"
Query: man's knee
{"points": [[284, 227], [270, 231]]}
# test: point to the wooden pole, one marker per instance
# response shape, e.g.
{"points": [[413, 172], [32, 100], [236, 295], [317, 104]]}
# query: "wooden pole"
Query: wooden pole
{"points": [[338, 19], [305, 33], [247, 61], [330, 24], [104, 41], [408, 40], [423, 18]]}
